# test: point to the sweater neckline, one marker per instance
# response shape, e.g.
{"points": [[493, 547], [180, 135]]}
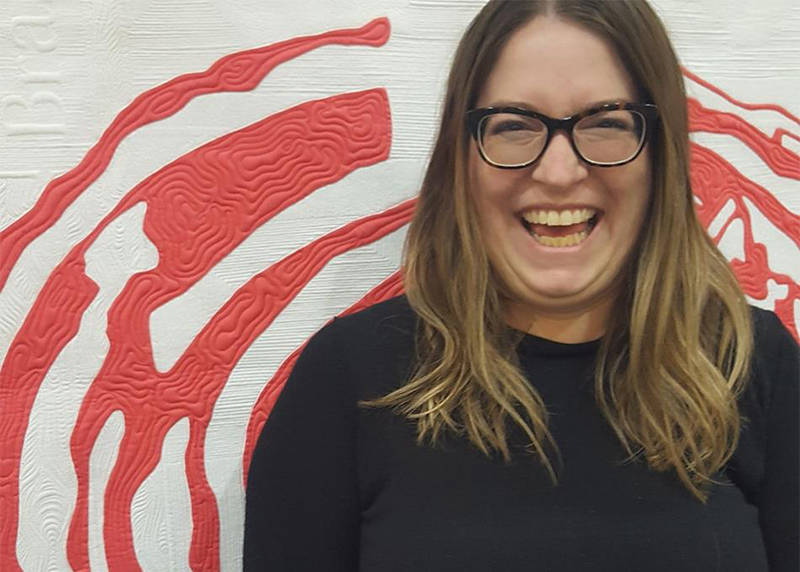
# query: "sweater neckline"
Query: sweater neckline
{"points": [[536, 345]]}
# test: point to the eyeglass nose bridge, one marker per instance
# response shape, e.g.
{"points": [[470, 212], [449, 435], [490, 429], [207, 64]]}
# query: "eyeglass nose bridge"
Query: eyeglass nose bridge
{"points": [[566, 124]]}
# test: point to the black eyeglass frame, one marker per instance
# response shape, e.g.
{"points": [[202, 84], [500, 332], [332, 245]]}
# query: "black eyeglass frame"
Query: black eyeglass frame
{"points": [[647, 110]]}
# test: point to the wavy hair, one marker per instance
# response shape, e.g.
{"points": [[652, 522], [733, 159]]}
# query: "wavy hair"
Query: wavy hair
{"points": [[676, 351]]}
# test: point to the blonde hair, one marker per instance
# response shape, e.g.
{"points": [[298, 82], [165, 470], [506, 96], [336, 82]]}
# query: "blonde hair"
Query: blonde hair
{"points": [[676, 351]]}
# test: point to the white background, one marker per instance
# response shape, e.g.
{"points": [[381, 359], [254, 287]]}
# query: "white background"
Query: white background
{"points": [[99, 55]]}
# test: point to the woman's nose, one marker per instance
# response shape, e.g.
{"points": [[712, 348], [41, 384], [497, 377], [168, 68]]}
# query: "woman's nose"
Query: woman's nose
{"points": [[559, 166]]}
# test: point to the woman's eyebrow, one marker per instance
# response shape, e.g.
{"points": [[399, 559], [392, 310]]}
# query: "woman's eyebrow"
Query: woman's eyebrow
{"points": [[509, 103], [528, 107]]}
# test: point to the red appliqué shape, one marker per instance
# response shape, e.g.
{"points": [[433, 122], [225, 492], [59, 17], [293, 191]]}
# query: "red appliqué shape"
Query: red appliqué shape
{"points": [[200, 207]]}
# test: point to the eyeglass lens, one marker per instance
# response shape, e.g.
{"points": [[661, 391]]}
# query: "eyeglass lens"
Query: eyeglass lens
{"points": [[605, 137]]}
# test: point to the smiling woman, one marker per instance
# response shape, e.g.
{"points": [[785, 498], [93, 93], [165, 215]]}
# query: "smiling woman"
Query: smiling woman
{"points": [[573, 354], [550, 281]]}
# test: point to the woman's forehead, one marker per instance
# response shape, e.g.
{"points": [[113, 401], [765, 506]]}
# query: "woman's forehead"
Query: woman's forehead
{"points": [[558, 68]]}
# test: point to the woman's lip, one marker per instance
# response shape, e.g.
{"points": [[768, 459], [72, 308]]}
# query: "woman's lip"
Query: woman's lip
{"points": [[567, 249]]}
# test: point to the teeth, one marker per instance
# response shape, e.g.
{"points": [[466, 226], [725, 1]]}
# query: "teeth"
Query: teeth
{"points": [[558, 218], [569, 240]]}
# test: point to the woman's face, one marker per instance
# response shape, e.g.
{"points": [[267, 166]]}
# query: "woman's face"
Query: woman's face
{"points": [[557, 68]]}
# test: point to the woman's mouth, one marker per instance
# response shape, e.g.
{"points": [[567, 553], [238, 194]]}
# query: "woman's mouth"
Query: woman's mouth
{"points": [[560, 228]]}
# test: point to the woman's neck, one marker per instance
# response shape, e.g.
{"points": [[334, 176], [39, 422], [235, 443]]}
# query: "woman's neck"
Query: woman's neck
{"points": [[564, 326]]}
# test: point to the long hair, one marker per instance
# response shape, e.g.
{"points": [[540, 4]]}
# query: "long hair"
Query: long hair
{"points": [[676, 351]]}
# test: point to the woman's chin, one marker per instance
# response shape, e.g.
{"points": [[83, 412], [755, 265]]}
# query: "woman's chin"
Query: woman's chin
{"points": [[561, 292]]}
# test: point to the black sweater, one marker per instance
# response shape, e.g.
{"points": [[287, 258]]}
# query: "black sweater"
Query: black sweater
{"points": [[336, 487]]}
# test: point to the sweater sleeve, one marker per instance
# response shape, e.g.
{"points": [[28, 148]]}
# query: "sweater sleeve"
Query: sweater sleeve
{"points": [[779, 496], [302, 510]]}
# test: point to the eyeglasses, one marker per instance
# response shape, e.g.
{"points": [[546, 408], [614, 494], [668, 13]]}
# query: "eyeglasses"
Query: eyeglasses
{"points": [[605, 136]]}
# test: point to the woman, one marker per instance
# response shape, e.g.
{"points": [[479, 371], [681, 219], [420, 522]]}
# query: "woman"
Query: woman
{"points": [[573, 380]]}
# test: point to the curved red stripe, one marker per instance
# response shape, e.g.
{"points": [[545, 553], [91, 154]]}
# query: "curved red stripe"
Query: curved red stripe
{"points": [[240, 71], [781, 160], [749, 106], [716, 181], [199, 208]]}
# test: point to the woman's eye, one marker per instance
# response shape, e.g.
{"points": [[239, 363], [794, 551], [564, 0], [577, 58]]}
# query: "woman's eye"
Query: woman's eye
{"points": [[609, 124], [514, 128], [506, 126], [617, 122]]}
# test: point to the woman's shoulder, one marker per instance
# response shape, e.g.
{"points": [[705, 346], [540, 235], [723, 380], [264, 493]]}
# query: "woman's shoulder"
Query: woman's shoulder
{"points": [[373, 347], [393, 315], [769, 332], [775, 350], [764, 465], [387, 323], [775, 367]]}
